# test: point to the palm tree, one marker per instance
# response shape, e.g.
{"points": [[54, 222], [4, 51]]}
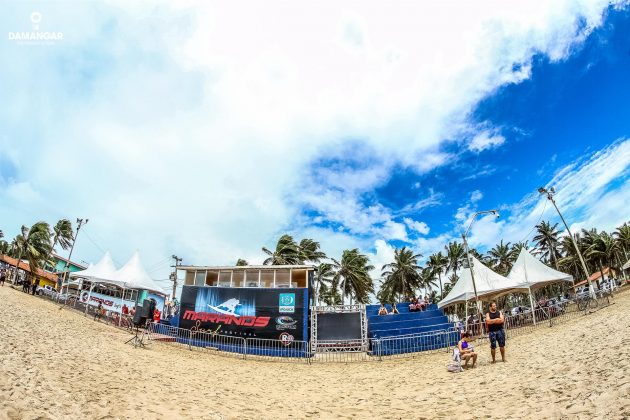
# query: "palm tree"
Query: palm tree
{"points": [[438, 263], [62, 235], [241, 262], [402, 275], [352, 274], [324, 274], [309, 250], [603, 250], [427, 280], [34, 244], [622, 236], [502, 256], [330, 295], [287, 252], [456, 255], [547, 242]]}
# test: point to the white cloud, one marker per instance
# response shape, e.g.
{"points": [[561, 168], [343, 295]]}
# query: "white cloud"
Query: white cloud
{"points": [[420, 227], [476, 196], [485, 140], [196, 137]]}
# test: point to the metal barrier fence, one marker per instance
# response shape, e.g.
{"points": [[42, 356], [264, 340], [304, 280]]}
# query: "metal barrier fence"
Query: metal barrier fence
{"points": [[345, 351]]}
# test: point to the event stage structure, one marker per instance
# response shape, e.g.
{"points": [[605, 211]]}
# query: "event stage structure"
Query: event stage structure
{"points": [[258, 302]]}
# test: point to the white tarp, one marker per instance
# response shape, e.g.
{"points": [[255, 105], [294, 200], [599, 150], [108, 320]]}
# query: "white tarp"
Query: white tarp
{"points": [[133, 276], [487, 281], [530, 272], [103, 271]]}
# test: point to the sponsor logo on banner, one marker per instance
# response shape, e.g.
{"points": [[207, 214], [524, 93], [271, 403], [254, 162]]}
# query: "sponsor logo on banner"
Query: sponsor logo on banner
{"points": [[285, 322], [245, 321], [287, 303], [227, 308], [286, 339]]}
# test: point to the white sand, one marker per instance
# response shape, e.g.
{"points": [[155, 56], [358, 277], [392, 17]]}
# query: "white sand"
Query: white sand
{"points": [[59, 364]]}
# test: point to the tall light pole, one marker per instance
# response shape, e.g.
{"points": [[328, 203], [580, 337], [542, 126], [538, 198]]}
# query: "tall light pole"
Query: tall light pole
{"points": [[550, 193], [80, 222], [174, 275], [470, 265]]}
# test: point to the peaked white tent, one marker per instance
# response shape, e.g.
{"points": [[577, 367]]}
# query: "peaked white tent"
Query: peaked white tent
{"points": [[104, 270], [133, 276], [532, 273], [489, 284]]}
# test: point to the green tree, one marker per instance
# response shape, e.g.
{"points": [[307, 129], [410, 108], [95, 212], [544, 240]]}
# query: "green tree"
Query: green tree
{"points": [[456, 255], [603, 250], [352, 274], [287, 252], [547, 242], [324, 284], [241, 262], [63, 235], [402, 275], [310, 251], [427, 280], [438, 264], [32, 244], [501, 257]]}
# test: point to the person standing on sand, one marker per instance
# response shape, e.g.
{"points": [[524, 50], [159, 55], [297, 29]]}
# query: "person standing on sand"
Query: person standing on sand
{"points": [[496, 333], [3, 277]]}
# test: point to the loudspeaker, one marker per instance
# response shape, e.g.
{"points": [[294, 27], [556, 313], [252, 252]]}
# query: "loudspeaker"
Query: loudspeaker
{"points": [[138, 316], [148, 306]]}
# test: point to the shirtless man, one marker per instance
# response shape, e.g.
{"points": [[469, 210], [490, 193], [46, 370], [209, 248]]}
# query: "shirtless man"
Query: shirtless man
{"points": [[494, 321]]}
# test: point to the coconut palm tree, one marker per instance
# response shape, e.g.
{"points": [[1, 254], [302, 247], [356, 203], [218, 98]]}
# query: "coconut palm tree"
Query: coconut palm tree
{"points": [[427, 280], [287, 252], [330, 295], [603, 250], [547, 242], [309, 250], [352, 274], [622, 236], [403, 274], [241, 262], [501, 257], [438, 263], [324, 274], [63, 235], [456, 255], [33, 244]]}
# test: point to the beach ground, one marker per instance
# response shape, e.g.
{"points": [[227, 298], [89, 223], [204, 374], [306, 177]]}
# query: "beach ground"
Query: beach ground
{"points": [[59, 364]]}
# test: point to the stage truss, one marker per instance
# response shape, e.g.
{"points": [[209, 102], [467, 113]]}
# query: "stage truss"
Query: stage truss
{"points": [[331, 346]]}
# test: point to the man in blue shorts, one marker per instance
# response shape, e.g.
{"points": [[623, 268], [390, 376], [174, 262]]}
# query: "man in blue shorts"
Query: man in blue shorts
{"points": [[494, 321]]}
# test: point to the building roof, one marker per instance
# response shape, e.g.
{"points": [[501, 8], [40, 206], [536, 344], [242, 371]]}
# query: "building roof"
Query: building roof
{"points": [[24, 265], [244, 267], [59, 257]]}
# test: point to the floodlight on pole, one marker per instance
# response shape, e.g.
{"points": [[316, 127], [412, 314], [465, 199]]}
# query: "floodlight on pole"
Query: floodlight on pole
{"points": [[470, 265], [550, 193]]}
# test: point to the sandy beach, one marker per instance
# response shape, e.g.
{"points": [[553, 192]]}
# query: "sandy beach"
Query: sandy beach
{"points": [[59, 364]]}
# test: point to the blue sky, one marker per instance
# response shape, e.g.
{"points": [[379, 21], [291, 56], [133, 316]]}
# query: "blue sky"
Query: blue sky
{"points": [[207, 130]]}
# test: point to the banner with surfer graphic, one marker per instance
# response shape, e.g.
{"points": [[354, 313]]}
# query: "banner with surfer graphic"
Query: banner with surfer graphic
{"points": [[279, 314]]}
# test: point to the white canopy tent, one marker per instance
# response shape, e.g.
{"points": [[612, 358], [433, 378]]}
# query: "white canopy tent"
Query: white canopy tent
{"points": [[533, 274], [489, 284], [102, 271], [133, 276]]}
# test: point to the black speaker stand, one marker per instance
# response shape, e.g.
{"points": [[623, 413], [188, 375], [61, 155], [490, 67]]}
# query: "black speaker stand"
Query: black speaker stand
{"points": [[138, 339]]}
